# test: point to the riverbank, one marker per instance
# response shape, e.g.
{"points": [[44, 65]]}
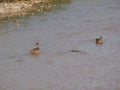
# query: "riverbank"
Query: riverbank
{"points": [[22, 8]]}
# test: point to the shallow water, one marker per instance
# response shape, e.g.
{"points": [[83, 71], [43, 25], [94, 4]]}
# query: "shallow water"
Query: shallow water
{"points": [[73, 26]]}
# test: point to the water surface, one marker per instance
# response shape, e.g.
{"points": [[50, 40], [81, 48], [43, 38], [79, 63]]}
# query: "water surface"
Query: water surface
{"points": [[72, 26]]}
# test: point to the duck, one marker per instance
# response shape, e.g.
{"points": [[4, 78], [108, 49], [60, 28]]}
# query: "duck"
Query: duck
{"points": [[36, 50], [99, 41]]}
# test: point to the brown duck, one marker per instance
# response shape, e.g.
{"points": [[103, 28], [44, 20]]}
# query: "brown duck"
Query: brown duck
{"points": [[99, 41], [35, 51]]}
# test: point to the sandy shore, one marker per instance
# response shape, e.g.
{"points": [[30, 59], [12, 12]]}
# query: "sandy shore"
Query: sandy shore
{"points": [[23, 8]]}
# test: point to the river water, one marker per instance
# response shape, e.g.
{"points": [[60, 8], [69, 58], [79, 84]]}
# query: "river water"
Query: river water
{"points": [[69, 26]]}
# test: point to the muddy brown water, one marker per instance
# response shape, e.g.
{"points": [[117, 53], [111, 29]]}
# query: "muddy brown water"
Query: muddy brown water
{"points": [[73, 26]]}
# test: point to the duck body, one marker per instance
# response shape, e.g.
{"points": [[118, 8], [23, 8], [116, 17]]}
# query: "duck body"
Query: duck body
{"points": [[35, 51], [99, 41]]}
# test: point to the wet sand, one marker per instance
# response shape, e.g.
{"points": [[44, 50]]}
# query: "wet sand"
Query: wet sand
{"points": [[58, 32]]}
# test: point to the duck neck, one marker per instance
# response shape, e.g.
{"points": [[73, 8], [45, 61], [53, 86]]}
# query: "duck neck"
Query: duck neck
{"points": [[101, 38]]}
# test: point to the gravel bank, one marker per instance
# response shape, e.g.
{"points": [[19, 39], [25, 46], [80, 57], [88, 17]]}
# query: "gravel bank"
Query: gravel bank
{"points": [[23, 8]]}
